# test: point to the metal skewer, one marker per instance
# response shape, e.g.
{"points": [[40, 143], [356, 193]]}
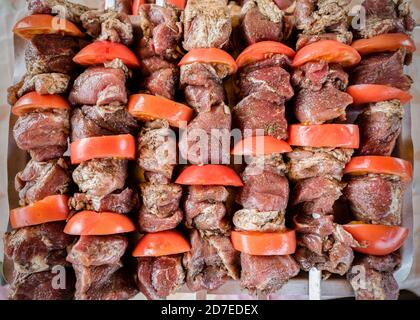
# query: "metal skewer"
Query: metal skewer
{"points": [[314, 284]]}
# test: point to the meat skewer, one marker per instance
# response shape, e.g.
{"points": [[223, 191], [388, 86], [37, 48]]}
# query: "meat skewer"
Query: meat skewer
{"points": [[159, 273], [42, 129], [375, 196], [102, 146]]}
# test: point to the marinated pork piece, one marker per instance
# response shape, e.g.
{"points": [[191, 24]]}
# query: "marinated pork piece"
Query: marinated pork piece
{"points": [[121, 202], [124, 6], [72, 11], [49, 53], [260, 221], [43, 130], [157, 148], [375, 198], [386, 16], [108, 25], [161, 32], [263, 20], [41, 179], [315, 18], [207, 24], [205, 209], [315, 74], [91, 121], [267, 273], [265, 186], [158, 277], [378, 282], [210, 262], [161, 199], [149, 222], [99, 86], [98, 250], [382, 68], [316, 195], [305, 39], [37, 248], [39, 286], [100, 177], [380, 126], [207, 137], [203, 85], [304, 163]]}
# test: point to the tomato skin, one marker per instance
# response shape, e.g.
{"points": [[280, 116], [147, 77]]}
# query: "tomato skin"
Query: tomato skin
{"points": [[263, 50], [49, 209], [146, 107], [209, 175], [163, 243], [136, 6], [209, 55], [120, 146], [180, 4], [260, 145], [324, 135], [377, 240], [388, 42], [100, 52], [330, 51], [90, 223], [264, 243], [33, 101], [35, 24], [369, 93], [380, 165]]}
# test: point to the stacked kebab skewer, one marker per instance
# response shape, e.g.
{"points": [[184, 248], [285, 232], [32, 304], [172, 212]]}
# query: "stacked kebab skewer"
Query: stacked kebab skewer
{"points": [[37, 246], [102, 144]]}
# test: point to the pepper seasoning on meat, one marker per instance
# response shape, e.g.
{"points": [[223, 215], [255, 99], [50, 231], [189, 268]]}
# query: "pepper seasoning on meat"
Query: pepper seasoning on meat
{"points": [[102, 145], [42, 129], [159, 252]]}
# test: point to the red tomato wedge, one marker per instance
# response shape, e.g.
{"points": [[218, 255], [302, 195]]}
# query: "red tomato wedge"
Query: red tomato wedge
{"points": [[162, 243], [49, 209], [100, 52], [36, 24], [33, 101], [146, 107], [91, 223], [210, 55], [324, 135], [263, 50], [260, 145], [264, 243], [120, 147], [378, 240], [388, 42], [380, 164], [368, 93], [209, 175], [180, 4], [327, 50]]}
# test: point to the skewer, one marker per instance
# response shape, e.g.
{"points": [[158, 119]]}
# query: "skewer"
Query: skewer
{"points": [[314, 284], [110, 4]]}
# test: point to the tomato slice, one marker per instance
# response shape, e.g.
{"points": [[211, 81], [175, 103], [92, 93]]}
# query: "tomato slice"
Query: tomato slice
{"points": [[146, 107], [387, 42], [380, 164], [49, 209], [368, 93], [120, 146], [324, 135], [100, 52], [36, 24], [260, 145], [209, 175], [180, 4], [163, 243], [330, 51], [91, 223], [263, 50], [377, 240], [33, 101], [210, 55], [264, 243]]}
